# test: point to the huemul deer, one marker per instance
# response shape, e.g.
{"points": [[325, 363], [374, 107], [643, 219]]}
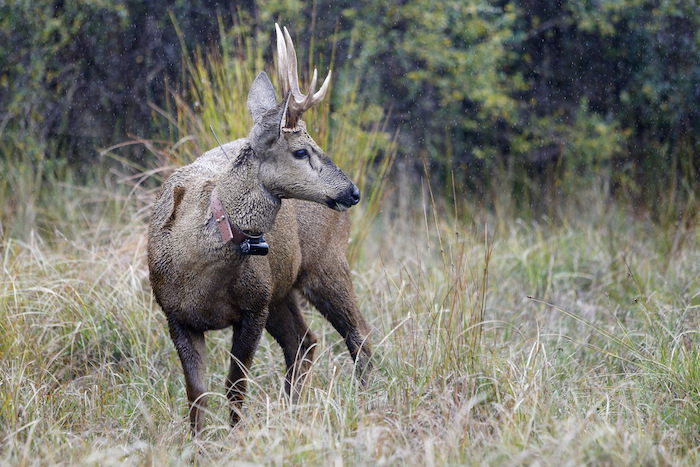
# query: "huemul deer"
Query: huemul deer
{"points": [[207, 254]]}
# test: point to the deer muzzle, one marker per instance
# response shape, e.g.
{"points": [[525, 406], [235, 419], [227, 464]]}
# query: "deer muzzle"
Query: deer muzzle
{"points": [[346, 200]]}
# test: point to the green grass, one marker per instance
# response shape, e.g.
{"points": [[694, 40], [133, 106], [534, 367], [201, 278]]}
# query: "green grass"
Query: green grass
{"points": [[608, 373]]}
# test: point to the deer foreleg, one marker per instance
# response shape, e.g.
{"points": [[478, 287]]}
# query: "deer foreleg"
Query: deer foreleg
{"points": [[330, 291], [286, 324], [246, 337], [192, 352]]}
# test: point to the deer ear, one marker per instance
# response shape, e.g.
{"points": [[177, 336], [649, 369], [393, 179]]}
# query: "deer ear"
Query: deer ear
{"points": [[268, 127], [261, 97]]}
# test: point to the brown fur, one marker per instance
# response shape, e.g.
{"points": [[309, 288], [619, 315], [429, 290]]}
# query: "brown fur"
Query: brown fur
{"points": [[203, 284]]}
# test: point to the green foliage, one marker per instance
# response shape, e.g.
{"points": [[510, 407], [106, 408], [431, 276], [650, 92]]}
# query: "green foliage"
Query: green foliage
{"points": [[586, 145], [634, 64], [80, 74]]}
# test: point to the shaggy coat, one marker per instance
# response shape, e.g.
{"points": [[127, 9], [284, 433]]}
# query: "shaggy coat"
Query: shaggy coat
{"points": [[277, 182]]}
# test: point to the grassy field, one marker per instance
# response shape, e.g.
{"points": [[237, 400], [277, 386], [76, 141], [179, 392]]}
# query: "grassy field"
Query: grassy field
{"points": [[500, 336], [498, 340]]}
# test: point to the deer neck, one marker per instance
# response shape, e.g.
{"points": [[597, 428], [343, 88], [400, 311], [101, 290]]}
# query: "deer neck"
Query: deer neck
{"points": [[249, 205]]}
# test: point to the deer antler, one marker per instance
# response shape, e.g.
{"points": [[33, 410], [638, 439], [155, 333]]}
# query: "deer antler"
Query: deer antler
{"points": [[289, 80]]}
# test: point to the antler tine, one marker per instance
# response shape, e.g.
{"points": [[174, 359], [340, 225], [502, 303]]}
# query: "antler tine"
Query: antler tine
{"points": [[318, 97], [289, 79], [308, 102], [282, 64], [292, 68]]}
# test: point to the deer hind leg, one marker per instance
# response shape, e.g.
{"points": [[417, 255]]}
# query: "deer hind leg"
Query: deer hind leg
{"points": [[192, 352], [286, 324], [246, 337], [330, 290]]}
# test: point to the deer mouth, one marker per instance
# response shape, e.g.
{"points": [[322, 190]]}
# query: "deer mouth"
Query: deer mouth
{"points": [[345, 201], [338, 205]]}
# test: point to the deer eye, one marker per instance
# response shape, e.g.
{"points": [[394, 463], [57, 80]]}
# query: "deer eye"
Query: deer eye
{"points": [[301, 153]]}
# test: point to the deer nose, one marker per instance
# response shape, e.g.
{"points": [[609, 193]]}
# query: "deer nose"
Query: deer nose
{"points": [[355, 195]]}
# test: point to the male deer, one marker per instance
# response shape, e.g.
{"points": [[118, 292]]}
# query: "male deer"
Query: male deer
{"points": [[207, 255]]}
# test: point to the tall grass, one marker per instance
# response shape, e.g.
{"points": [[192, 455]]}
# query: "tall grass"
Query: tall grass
{"points": [[468, 370], [45, 196]]}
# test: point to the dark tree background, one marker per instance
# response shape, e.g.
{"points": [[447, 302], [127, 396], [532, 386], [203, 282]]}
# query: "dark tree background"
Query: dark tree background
{"points": [[550, 92]]}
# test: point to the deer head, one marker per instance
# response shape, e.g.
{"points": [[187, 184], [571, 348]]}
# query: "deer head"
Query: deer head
{"points": [[292, 165]]}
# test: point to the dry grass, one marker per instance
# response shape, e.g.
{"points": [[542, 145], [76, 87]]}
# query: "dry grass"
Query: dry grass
{"points": [[89, 374]]}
